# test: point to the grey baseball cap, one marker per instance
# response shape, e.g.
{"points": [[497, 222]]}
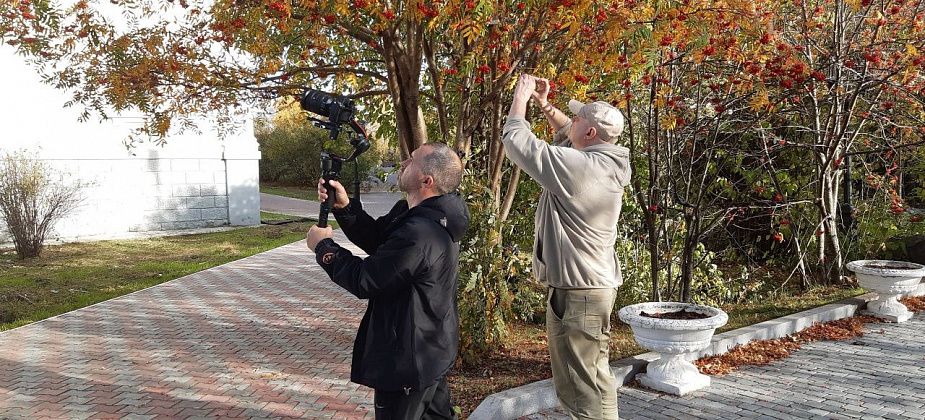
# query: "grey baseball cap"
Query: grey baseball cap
{"points": [[604, 117]]}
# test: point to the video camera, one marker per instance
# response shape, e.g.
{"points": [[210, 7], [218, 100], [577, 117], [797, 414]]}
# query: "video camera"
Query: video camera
{"points": [[338, 110]]}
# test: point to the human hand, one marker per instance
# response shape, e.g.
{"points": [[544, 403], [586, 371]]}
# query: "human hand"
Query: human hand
{"points": [[340, 201], [541, 92], [525, 87], [317, 234]]}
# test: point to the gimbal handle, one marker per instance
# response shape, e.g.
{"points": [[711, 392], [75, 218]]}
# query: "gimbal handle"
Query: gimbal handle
{"points": [[330, 169], [331, 165]]}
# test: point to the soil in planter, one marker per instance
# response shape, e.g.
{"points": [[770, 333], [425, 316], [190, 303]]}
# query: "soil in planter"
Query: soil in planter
{"points": [[682, 314], [887, 266]]}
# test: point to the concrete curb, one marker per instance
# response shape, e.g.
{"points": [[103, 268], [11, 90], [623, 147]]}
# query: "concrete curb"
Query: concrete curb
{"points": [[538, 396]]}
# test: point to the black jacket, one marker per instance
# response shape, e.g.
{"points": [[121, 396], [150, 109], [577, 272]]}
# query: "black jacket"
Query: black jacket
{"points": [[409, 336]]}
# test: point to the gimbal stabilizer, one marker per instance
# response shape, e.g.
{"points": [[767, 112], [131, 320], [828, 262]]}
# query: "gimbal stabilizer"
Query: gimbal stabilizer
{"points": [[338, 110]]}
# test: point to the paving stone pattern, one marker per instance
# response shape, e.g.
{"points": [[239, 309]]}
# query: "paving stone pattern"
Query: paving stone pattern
{"points": [[269, 336], [878, 376]]}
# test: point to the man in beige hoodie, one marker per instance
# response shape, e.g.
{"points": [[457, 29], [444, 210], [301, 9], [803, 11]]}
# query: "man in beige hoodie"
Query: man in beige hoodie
{"points": [[583, 175]]}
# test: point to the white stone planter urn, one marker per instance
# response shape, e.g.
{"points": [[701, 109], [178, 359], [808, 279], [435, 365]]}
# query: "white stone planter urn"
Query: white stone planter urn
{"points": [[889, 279], [674, 340]]}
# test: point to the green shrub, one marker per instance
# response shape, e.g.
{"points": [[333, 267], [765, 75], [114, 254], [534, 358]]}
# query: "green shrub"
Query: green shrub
{"points": [[529, 297], [484, 296], [880, 233], [709, 284], [496, 280], [291, 154]]}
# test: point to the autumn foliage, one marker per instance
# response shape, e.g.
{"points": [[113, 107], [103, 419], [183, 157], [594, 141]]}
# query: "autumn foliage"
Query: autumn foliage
{"points": [[745, 117]]}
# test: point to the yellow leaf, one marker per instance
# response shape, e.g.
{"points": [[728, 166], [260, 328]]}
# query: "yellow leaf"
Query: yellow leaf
{"points": [[470, 32], [759, 101], [271, 66], [549, 72], [667, 122], [909, 74], [575, 27], [911, 51], [350, 79], [562, 26], [581, 91], [645, 13]]}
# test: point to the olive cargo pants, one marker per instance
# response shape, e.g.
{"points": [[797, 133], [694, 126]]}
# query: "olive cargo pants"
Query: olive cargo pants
{"points": [[578, 329]]}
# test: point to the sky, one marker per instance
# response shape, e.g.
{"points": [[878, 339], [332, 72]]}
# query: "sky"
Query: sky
{"points": [[33, 116]]}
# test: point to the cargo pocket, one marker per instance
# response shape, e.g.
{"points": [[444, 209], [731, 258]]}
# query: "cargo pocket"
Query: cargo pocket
{"points": [[554, 314], [592, 326], [595, 315]]}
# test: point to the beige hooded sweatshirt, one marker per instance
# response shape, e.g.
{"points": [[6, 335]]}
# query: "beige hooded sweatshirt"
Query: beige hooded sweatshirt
{"points": [[576, 216]]}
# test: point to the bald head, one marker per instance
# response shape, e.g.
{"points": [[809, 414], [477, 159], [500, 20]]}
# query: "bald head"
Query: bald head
{"points": [[442, 163]]}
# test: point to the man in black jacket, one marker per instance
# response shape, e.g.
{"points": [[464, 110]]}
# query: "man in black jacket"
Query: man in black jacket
{"points": [[409, 336]]}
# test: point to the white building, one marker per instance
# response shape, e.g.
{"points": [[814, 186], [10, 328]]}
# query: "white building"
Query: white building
{"points": [[194, 181]]}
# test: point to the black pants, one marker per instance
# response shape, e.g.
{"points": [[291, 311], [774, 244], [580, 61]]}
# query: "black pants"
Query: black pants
{"points": [[429, 403]]}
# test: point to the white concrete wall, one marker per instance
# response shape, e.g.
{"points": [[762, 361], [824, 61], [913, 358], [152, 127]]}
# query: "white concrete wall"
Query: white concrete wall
{"points": [[194, 181]]}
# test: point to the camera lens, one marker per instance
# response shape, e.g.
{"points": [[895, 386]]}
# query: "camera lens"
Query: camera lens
{"points": [[337, 108], [315, 101]]}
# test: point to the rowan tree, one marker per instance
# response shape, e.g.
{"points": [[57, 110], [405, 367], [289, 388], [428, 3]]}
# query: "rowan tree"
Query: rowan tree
{"points": [[453, 59], [844, 78]]}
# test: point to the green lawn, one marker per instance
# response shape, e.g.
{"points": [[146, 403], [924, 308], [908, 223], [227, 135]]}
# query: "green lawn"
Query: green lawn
{"points": [[300, 192], [745, 314], [267, 217], [72, 276]]}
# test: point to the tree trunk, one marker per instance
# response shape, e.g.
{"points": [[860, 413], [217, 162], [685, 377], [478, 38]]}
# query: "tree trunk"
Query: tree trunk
{"points": [[512, 184], [691, 239], [652, 216], [831, 231], [495, 156], [404, 73], [656, 295], [829, 247], [801, 262], [439, 100]]}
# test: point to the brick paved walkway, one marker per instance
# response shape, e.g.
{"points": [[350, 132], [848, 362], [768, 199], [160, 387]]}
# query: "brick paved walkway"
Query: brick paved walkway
{"points": [[878, 376], [267, 336]]}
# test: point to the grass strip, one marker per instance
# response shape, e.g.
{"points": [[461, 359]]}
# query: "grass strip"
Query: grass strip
{"points": [[291, 191], [75, 275]]}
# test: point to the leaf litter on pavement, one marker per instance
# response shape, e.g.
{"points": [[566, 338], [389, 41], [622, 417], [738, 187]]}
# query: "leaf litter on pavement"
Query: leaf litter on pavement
{"points": [[762, 352]]}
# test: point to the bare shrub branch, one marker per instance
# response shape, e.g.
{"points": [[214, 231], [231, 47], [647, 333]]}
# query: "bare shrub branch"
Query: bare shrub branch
{"points": [[33, 198]]}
